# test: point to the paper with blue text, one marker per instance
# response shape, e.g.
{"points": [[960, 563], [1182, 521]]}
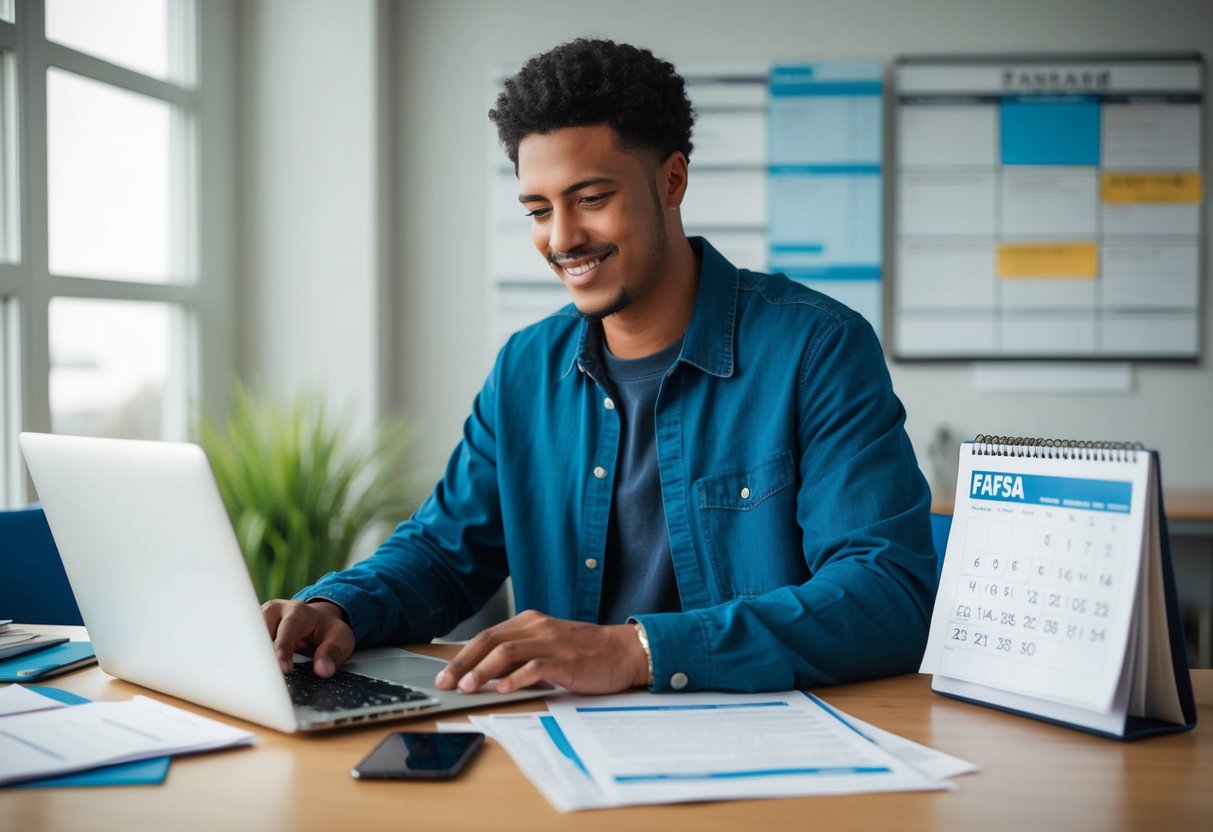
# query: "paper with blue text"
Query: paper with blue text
{"points": [[636, 748]]}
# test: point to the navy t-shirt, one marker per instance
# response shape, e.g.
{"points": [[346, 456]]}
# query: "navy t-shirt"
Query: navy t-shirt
{"points": [[639, 576]]}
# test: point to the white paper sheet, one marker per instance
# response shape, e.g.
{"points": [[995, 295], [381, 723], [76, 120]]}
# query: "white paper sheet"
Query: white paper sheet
{"points": [[924, 758], [635, 748], [64, 740], [16, 699], [566, 785]]}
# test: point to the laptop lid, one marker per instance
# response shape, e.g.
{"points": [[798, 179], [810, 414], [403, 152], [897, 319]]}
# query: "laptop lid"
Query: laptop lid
{"points": [[163, 589]]}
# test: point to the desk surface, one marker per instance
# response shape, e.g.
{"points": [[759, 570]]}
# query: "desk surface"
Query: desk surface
{"points": [[1033, 776]]}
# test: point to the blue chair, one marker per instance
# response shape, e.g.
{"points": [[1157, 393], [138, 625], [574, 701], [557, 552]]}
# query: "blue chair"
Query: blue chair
{"points": [[941, 525], [34, 588]]}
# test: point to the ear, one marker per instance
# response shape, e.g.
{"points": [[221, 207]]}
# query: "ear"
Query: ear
{"points": [[672, 180]]}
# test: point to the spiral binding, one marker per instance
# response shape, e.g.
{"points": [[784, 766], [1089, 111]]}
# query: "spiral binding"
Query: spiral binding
{"points": [[1037, 448]]}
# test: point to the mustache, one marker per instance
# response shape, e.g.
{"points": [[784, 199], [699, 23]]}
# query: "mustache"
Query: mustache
{"points": [[557, 257]]}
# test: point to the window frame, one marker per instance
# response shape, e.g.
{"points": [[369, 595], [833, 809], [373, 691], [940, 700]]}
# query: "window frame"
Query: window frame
{"points": [[204, 146]]}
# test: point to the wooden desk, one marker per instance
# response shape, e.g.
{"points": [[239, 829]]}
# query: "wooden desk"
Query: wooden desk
{"points": [[1033, 777]]}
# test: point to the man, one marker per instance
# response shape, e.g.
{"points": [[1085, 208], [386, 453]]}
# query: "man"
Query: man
{"points": [[697, 477]]}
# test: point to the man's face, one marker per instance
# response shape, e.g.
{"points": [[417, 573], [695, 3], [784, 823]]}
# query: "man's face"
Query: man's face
{"points": [[596, 215]]}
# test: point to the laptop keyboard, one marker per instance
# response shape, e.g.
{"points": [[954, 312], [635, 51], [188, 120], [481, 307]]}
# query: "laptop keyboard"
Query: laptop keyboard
{"points": [[344, 691]]}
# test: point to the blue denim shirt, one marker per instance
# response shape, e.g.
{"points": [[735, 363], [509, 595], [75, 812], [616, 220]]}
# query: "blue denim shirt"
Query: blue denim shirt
{"points": [[797, 515]]}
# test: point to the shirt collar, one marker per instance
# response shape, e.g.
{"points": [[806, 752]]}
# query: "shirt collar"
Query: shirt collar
{"points": [[708, 343]]}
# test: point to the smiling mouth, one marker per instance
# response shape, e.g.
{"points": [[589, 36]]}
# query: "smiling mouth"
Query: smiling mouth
{"points": [[578, 264], [582, 268]]}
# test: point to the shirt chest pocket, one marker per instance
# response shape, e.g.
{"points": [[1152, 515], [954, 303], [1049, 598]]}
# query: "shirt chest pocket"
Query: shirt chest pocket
{"points": [[748, 520]]}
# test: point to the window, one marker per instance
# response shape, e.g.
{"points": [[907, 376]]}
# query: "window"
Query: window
{"points": [[144, 35], [106, 313]]}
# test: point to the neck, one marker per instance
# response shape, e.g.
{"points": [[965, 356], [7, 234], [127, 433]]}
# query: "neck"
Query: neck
{"points": [[650, 324]]}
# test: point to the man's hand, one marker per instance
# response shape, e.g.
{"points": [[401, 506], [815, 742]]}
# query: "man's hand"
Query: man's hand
{"points": [[532, 647], [317, 628]]}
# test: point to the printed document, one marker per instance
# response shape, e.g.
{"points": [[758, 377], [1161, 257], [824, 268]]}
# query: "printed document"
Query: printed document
{"points": [[634, 748], [62, 740]]}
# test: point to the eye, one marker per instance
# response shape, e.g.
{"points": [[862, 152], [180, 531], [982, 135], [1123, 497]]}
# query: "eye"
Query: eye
{"points": [[538, 213], [592, 199]]}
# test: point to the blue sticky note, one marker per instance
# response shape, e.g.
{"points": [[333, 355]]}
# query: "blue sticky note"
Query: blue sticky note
{"points": [[1058, 130]]}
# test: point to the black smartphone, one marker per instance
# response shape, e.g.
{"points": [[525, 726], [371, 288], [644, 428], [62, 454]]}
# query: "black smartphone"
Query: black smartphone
{"points": [[428, 755]]}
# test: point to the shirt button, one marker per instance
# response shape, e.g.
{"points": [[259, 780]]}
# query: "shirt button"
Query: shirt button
{"points": [[608, 404], [599, 472], [591, 563], [745, 493], [679, 680]]}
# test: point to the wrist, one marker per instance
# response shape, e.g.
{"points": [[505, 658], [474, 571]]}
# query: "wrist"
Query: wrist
{"points": [[327, 606]]}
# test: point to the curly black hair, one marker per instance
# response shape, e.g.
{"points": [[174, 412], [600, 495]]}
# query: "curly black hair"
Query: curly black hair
{"points": [[587, 82]]}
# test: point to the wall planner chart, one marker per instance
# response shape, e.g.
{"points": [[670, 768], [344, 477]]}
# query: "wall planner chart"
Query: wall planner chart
{"points": [[1048, 206], [785, 175]]}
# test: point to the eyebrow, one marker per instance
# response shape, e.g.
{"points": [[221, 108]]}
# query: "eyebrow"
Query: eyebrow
{"points": [[576, 186]]}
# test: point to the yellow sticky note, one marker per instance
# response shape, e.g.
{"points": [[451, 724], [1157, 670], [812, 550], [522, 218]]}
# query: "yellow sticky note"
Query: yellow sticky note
{"points": [[1170, 187], [1068, 260]]}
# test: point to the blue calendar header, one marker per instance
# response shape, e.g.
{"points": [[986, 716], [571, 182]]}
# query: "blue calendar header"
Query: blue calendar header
{"points": [[1062, 492]]}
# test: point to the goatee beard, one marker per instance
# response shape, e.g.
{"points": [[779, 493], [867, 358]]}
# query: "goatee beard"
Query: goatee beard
{"points": [[622, 300]]}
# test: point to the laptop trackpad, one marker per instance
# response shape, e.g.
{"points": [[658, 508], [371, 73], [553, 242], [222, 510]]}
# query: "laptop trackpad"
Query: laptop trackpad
{"points": [[396, 665], [417, 670]]}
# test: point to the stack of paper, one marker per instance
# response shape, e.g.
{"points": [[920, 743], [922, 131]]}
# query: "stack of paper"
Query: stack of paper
{"points": [[634, 748], [16, 641], [39, 737]]}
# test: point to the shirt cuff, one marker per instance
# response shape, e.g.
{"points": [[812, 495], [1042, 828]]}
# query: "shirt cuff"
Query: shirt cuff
{"points": [[678, 647], [345, 614], [349, 599]]}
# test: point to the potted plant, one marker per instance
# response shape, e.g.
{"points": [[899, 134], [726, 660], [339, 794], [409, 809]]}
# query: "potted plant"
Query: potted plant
{"points": [[300, 491]]}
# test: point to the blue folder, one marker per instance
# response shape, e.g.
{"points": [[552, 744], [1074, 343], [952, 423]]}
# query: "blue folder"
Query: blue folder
{"points": [[139, 773], [48, 662]]}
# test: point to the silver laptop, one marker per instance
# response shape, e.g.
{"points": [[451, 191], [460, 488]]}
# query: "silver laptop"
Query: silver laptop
{"points": [[168, 603]]}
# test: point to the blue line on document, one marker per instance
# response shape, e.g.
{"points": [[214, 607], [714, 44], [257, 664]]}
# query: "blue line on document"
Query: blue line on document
{"points": [[705, 707], [791, 89], [827, 771], [851, 273], [562, 742], [836, 715], [798, 248]]}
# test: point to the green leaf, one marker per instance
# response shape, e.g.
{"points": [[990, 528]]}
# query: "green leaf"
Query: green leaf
{"points": [[300, 489]]}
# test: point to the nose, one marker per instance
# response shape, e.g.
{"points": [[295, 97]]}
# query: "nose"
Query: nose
{"points": [[565, 232]]}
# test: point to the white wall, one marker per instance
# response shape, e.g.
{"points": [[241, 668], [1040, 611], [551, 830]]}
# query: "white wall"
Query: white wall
{"points": [[311, 221], [444, 55]]}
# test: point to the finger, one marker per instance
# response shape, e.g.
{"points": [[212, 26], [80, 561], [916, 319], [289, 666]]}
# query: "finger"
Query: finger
{"points": [[468, 656], [294, 626], [502, 660], [271, 611], [334, 648], [475, 651], [535, 672]]}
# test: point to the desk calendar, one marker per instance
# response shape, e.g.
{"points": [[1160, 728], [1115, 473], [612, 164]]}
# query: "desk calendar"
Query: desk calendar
{"points": [[1056, 598]]}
